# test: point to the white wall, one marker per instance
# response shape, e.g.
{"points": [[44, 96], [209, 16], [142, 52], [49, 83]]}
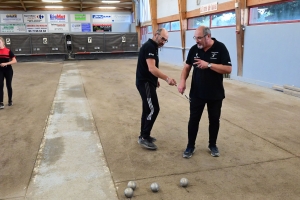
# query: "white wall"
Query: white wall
{"points": [[192, 4], [166, 8]]}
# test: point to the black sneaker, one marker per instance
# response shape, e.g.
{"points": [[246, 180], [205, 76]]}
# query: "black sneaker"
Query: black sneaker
{"points": [[147, 143], [214, 151], [10, 103], [188, 152], [1, 105], [153, 139]]}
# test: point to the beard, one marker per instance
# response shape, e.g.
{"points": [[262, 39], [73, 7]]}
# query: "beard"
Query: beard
{"points": [[200, 46], [159, 44]]}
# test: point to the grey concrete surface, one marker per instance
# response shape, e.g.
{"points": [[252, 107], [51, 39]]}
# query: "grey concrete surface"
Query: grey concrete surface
{"points": [[258, 138], [70, 162]]}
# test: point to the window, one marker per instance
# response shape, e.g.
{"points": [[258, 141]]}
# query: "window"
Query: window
{"points": [[165, 25], [175, 26], [149, 29], [287, 11], [194, 23], [223, 19]]}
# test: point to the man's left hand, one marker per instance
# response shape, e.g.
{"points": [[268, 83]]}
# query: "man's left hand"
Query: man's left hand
{"points": [[201, 64]]}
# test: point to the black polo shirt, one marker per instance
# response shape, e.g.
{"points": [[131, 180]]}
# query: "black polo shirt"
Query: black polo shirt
{"points": [[148, 50], [206, 83]]}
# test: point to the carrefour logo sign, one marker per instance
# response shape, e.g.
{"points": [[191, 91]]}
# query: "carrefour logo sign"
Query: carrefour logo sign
{"points": [[40, 16]]}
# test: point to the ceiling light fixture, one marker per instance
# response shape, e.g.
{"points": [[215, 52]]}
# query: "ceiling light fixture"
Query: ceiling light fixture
{"points": [[110, 1], [54, 7], [52, 1], [107, 7]]}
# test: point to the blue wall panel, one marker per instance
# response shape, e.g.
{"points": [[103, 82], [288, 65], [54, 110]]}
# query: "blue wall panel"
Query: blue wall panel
{"points": [[171, 52], [272, 55], [171, 56], [228, 37]]}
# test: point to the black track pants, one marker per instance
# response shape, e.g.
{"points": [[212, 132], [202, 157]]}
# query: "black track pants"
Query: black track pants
{"points": [[150, 108], [7, 73], [214, 113]]}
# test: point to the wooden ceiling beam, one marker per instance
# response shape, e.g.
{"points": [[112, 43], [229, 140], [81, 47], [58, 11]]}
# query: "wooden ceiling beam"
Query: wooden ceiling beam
{"points": [[67, 4], [240, 8], [183, 24], [153, 11], [80, 5], [21, 1]]}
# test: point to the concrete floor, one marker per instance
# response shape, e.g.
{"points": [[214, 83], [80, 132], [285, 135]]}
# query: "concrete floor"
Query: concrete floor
{"points": [[258, 140]]}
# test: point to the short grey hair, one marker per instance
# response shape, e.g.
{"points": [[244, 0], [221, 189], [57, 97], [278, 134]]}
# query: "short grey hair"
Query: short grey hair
{"points": [[159, 31], [206, 31]]}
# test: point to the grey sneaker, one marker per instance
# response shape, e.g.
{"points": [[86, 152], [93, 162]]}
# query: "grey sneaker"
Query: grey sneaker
{"points": [[1, 105], [214, 151], [10, 103], [188, 152], [147, 143]]}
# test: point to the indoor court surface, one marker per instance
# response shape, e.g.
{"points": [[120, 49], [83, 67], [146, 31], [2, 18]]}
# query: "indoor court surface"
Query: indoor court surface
{"points": [[72, 134]]}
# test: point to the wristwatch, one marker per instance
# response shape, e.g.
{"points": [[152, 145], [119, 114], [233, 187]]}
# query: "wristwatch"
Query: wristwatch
{"points": [[209, 65]]}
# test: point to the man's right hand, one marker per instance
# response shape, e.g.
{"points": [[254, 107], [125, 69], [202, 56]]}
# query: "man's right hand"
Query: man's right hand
{"points": [[171, 81]]}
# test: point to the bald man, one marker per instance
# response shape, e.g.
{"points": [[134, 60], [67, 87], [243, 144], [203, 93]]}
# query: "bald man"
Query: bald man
{"points": [[147, 74], [210, 60]]}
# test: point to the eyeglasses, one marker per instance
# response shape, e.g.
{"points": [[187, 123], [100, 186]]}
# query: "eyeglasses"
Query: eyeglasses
{"points": [[199, 38], [163, 39]]}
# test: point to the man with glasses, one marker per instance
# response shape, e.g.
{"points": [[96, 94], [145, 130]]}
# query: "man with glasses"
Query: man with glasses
{"points": [[210, 60], [147, 74]]}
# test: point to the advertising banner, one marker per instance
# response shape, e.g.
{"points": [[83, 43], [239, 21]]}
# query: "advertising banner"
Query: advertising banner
{"points": [[80, 27], [58, 27], [86, 27], [76, 27], [111, 18], [37, 28], [121, 18], [11, 18], [57, 18], [101, 27], [80, 17], [13, 28], [31, 18]]}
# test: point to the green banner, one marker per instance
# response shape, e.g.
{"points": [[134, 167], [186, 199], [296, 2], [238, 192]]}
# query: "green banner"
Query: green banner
{"points": [[80, 17], [12, 28]]}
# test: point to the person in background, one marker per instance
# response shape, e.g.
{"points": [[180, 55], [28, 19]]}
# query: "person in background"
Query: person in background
{"points": [[210, 60], [147, 74], [7, 58]]}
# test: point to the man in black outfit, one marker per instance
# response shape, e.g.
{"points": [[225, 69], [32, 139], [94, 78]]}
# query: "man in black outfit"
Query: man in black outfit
{"points": [[210, 60], [147, 74]]}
